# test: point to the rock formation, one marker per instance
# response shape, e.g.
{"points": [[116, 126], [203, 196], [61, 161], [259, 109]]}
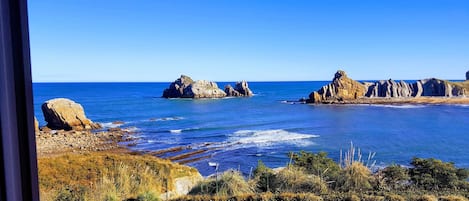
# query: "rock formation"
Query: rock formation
{"points": [[467, 75], [204, 89], [388, 89], [230, 91], [343, 88], [178, 88], [185, 87], [241, 89], [62, 113]]}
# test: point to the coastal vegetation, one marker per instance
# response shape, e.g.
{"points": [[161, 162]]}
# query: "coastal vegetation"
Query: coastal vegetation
{"points": [[109, 176], [314, 176]]}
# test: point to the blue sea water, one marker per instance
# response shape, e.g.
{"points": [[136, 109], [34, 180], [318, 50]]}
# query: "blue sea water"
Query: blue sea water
{"points": [[237, 132]]}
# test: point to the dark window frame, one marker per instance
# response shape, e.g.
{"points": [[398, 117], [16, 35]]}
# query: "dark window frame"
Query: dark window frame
{"points": [[18, 160]]}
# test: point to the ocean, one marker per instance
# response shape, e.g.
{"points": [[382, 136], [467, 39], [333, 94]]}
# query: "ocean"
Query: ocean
{"points": [[237, 132]]}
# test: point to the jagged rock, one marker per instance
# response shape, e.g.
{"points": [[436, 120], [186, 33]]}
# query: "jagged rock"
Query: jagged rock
{"points": [[241, 89], [344, 88], [62, 113], [178, 88], [437, 87], [341, 88], [205, 89], [388, 89], [36, 125], [230, 91]]}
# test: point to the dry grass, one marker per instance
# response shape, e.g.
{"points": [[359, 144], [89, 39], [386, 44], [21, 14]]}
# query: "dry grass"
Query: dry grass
{"points": [[294, 180], [452, 198], [229, 183], [106, 176]]}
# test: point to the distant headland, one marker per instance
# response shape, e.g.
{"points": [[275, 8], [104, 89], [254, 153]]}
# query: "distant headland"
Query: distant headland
{"points": [[344, 90]]}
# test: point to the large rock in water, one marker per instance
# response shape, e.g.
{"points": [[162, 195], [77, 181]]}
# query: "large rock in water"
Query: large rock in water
{"points": [[185, 87], [205, 89], [341, 88], [62, 113], [241, 89], [178, 88]]}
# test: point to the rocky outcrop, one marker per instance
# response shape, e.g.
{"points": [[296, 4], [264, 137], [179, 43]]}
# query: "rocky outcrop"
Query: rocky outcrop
{"points": [[178, 88], [467, 75], [230, 91], [437, 87], [388, 89], [341, 88], [185, 87], [344, 89], [62, 113], [241, 89]]}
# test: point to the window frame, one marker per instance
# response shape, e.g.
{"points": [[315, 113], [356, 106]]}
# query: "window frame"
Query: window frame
{"points": [[18, 160]]}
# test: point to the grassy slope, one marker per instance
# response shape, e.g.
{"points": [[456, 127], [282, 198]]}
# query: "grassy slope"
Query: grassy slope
{"points": [[96, 175]]}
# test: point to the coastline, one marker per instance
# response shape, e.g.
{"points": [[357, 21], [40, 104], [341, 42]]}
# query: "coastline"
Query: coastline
{"points": [[433, 100]]}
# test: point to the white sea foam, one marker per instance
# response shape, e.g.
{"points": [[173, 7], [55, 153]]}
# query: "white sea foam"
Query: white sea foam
{"points": [[110, 125], [269, 137], [176, 131], [400, 106], [131, 129], [167, 119]]}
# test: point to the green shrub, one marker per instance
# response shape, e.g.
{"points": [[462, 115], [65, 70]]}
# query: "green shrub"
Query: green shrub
{"points": [[294, 180], [318, 164], [395, 176], [433, 174], [263, 177]]}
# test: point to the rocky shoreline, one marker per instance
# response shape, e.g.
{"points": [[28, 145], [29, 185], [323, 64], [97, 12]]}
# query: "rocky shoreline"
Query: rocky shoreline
{"points": [[57, 142]]}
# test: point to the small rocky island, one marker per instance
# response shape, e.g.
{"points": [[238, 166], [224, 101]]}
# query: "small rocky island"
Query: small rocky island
{"points": [[185, 87], [344, 90]]}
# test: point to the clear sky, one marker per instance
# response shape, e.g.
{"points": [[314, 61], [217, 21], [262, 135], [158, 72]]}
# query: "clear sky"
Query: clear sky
{"points": [[254, 40]]}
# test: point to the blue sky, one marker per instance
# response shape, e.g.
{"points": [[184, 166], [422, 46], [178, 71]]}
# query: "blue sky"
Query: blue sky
{"points": [[254, 40]]}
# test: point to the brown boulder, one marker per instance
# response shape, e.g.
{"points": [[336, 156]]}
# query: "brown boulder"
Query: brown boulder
{"points": [[62, 113], [341, 88]]}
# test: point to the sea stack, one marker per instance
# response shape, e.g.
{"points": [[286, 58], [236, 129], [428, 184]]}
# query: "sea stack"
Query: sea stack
{"points": [[62, 113], [185, 87], [467, 75], [341, 88], [241, 89]]}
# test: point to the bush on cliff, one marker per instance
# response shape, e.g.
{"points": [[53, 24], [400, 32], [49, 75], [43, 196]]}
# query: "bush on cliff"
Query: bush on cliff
{"points": [[433, 174], [263, 177], [318, 164]]}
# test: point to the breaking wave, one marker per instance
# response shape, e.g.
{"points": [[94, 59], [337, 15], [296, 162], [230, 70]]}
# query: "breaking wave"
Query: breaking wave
{"points": [[269, 137]]}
